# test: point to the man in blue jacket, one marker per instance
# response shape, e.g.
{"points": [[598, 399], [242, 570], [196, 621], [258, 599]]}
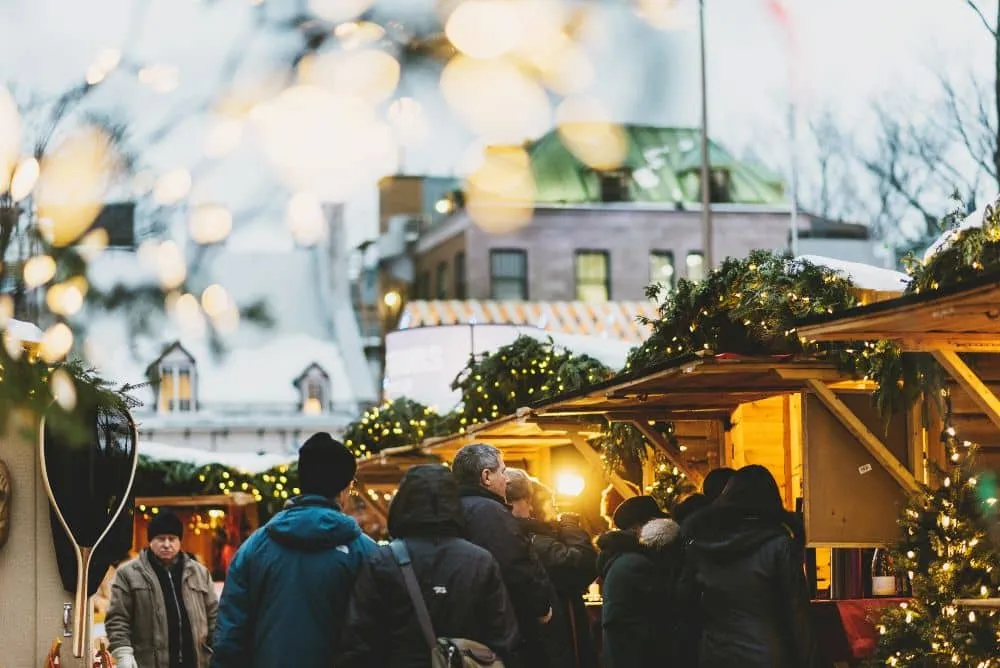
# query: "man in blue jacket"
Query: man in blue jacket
{"points": [[287, 590]]}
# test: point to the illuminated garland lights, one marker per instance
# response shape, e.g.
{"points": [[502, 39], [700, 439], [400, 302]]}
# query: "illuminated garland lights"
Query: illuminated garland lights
{"points": [[269, 489], [946, 554], [394, 424]]}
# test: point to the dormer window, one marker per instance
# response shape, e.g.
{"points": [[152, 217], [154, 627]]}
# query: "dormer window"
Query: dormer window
{"points": [[176, 380], [314, 390]]}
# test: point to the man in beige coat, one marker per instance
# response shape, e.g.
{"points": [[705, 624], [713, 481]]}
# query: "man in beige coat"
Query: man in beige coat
{"points": [[163, 605]]}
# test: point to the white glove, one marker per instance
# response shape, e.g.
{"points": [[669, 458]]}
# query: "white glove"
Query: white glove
{"points": [[124, 658]]}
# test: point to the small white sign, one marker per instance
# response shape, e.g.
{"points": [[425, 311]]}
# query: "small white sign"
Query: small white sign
{"points": [[864, 468]]}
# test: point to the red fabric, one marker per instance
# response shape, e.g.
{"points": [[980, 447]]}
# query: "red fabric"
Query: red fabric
{"points": [[845, 628]]}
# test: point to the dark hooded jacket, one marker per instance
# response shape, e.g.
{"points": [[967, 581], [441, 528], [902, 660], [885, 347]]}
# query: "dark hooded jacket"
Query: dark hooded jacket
{"points": [[490, 525], [461, 583], [286, 594], [570, 560], [639, 576], [744, 583]]}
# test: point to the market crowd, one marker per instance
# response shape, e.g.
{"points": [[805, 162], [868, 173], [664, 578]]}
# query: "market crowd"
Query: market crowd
{"points": [[481, 571]]}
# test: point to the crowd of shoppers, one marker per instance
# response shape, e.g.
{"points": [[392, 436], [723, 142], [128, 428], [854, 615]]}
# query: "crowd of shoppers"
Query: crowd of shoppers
{"points": [[481, 566]]}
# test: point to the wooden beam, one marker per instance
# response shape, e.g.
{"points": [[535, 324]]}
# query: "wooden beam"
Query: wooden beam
{"points": [[864, 435], [969, 381], [583, 446], [660, 442], [916, 440], [376, 503], [786, 441]]}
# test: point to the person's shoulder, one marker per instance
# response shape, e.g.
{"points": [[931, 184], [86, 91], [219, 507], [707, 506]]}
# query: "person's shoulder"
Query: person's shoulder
{"points": [[129, 569]]}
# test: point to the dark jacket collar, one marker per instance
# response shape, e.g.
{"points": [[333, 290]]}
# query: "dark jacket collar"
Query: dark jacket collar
{"points": [[465, 491], [614, 544], [725, 532]]}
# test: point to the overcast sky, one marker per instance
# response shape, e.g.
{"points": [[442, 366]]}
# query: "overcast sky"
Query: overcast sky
{"points": [[849, 51]]}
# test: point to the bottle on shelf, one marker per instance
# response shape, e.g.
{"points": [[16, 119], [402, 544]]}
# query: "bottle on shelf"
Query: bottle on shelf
{"points": [[884, 577]]}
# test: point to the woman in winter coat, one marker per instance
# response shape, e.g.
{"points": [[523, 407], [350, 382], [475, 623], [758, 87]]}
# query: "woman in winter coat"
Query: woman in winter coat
{"points": [[744, 580], [460, 582], [570, 560], [639, 564]]}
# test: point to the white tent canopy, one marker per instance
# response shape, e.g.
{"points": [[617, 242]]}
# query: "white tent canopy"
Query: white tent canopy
{"points": [[864, 276], [247, 462]]}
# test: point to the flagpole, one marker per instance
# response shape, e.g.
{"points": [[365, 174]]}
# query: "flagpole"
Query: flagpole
{"points": [[706, 199], [793, 157]]}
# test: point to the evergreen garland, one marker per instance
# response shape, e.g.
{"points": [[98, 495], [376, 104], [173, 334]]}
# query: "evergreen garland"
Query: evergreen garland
{"points": [[394, 424], [946, 555], [969, 253], [28, 386], [269, 489], [519, 374], [748, 306]]}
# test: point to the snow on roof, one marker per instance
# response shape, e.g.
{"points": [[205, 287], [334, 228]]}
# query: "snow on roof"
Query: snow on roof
{"points": [[23, 331], [974, 219], [247, 462], [260, 363], [262, 374], [864, 276]]}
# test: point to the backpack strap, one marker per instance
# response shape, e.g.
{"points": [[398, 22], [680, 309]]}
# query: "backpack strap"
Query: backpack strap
{"points": [[402, 556]]}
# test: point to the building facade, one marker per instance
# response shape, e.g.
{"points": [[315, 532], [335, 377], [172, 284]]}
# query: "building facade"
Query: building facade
{"points": [[266, 388], [593, 235]]}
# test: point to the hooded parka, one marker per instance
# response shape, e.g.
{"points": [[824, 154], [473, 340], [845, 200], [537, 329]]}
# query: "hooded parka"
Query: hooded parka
{"points": [[461, 583], [286, 594], [639, 571], [744, 582]]}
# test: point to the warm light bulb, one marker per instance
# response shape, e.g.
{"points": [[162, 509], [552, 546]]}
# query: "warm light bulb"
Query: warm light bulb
{"points": [[569, 483], [24, 179]]}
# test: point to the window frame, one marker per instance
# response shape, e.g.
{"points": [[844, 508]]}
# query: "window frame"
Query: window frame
{"points": [[687, 266], [496, 279], [441, 280], [672, 285], [459, 275], [176, 403], [581, 281]]}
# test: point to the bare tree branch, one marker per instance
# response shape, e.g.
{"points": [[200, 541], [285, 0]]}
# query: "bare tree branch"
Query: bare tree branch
{"points": [[982, 17]]}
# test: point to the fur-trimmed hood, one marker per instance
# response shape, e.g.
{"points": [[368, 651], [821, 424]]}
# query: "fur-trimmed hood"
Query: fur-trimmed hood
{"points": [[659, 534]]}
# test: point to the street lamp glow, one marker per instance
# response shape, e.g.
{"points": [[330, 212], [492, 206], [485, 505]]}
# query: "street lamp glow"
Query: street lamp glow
{"points": [[391, 299], [569, 484]]}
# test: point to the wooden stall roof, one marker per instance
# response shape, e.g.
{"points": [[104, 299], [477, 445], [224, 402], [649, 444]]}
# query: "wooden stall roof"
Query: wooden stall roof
{"points": [[963, 318], [519, 428], [695, 387]]}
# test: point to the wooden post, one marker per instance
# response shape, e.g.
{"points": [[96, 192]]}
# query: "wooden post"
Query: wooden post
{"points": [[864, 435], [584, 448], [916, 441], [969, 381], [658, 441]]}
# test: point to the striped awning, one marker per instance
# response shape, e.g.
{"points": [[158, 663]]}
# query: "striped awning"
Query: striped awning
{"points": [[617, 320]]}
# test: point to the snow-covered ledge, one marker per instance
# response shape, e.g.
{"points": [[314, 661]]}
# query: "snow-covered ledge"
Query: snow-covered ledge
{"points": [[862, 275]]}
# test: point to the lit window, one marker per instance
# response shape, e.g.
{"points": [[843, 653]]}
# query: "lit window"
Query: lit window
{"points": [[508, 274], [695, 266], [661, 269], [593, 276], [314, 386], [176, 388]]}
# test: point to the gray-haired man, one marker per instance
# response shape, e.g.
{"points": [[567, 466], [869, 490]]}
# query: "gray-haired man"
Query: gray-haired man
{"points": [[479, 469]]}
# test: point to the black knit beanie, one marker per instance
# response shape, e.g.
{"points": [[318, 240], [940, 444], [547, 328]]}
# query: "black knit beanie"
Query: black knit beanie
{"points": [[165, 524], [326, 466]]}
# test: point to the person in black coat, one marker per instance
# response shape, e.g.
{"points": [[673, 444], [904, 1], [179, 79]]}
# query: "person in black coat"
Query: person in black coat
{"points": [[461, 583], [744, 581], [570, 560], [480, 471], [639, 565]]}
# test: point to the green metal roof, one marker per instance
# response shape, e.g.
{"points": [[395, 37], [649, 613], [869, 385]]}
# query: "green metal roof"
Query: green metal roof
{"points": [[664, 163]]}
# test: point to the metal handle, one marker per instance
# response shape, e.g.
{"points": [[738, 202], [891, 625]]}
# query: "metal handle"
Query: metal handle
{"points": [[67, 620]]}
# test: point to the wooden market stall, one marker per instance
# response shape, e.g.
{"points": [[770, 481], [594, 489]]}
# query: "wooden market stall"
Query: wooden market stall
{"points": [[214, 526], [960, 328]]}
